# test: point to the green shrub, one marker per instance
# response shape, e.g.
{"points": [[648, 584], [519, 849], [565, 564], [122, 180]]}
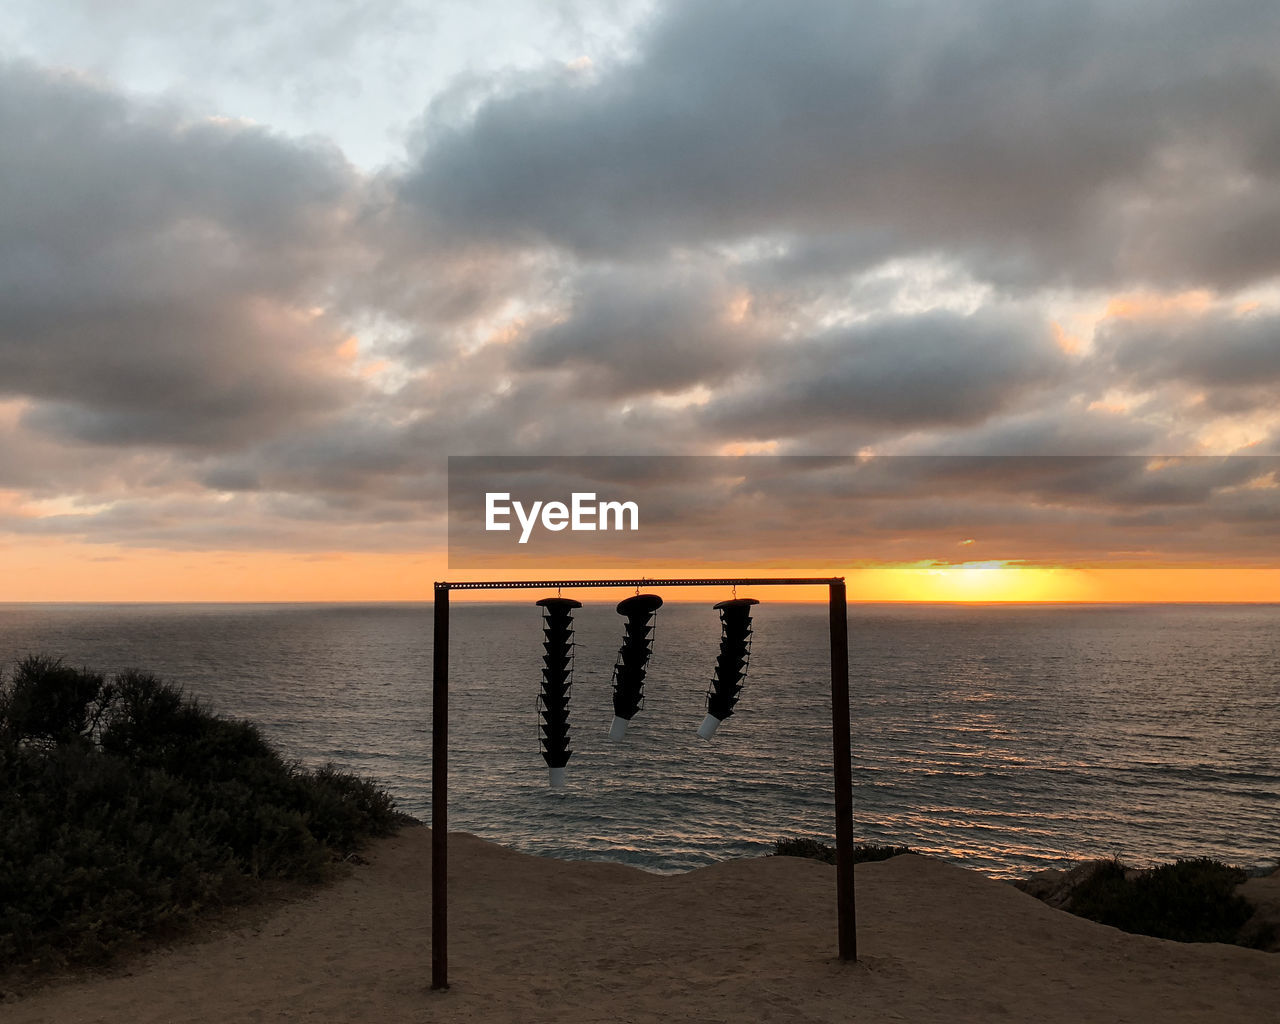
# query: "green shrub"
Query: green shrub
{"points": [[815, 850], [49, 703], [129, 810], [1189, 900], [341, 808]]}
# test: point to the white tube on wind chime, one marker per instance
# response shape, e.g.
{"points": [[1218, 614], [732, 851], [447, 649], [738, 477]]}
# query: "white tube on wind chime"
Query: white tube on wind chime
{"points": [[731, 665], [557, 680], [633, 659]]}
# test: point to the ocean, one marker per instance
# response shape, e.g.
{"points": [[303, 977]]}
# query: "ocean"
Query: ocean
{"points": [[1004, 738]]}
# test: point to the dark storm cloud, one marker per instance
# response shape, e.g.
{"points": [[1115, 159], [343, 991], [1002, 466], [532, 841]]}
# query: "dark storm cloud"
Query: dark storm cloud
{"points": [[295, 522], [170, 373], [1044, 140], [640, 331], [156, 273], [1057, 426], [1233, 358], [357, 453], [38, 466], [896, 372]]}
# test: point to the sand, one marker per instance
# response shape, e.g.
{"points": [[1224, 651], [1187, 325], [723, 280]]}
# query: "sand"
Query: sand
{"points": [[534, 939]]}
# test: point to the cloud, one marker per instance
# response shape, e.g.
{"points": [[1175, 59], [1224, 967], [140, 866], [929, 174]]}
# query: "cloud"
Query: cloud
{"points": [[1060, 142], [1054, 427], [1232, 358], [157, 274], [814, 228], [643, 330], [895, 373]]}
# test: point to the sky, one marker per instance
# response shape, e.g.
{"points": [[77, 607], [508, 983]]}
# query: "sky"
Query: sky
{"points": [[265, 266]]}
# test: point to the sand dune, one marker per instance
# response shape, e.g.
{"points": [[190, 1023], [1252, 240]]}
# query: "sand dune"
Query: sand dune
{"points": [[543, 940]]}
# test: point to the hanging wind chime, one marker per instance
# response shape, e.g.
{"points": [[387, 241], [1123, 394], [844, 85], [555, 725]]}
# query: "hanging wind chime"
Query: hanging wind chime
{"points": [[557, 680], [633, 659], [731, 666]]}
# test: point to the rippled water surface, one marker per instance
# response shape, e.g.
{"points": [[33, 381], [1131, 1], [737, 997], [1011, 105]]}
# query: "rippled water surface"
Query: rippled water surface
{"points": [[1006, 738]]}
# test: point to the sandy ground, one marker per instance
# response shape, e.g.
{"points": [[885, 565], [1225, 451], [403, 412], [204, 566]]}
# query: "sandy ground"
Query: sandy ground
{"points": [[542, 940]]}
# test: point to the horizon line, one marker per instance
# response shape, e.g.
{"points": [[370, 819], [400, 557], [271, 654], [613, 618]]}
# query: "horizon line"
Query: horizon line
{"points": [[673, 600]]}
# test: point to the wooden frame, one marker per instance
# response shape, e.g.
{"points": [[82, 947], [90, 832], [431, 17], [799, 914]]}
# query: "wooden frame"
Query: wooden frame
{"points": [[841, 750]]}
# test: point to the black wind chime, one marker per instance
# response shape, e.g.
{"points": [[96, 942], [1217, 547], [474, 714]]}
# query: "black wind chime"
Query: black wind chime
{"points": [[557, 680], [633, 659], [630, 669], [731, 666]]}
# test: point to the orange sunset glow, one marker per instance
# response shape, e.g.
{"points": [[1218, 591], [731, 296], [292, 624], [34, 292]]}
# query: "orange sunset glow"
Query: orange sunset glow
{"points": [[60, 572]]}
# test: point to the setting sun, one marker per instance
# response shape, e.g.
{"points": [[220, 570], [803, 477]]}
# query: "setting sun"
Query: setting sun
{"points": [[971, 581]]}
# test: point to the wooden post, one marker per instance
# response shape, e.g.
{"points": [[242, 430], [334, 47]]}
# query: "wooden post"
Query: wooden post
{"points": [[841, 755], [440, 792]]}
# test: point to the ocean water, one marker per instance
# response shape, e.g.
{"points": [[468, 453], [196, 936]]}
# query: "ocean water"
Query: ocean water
{"points": [[1004, 738]]}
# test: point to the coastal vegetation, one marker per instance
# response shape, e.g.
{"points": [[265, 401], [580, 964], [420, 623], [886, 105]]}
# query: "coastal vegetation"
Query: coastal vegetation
{"points": [[815, 850], [129, 811], [1192, 900], [1196, 900]]}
